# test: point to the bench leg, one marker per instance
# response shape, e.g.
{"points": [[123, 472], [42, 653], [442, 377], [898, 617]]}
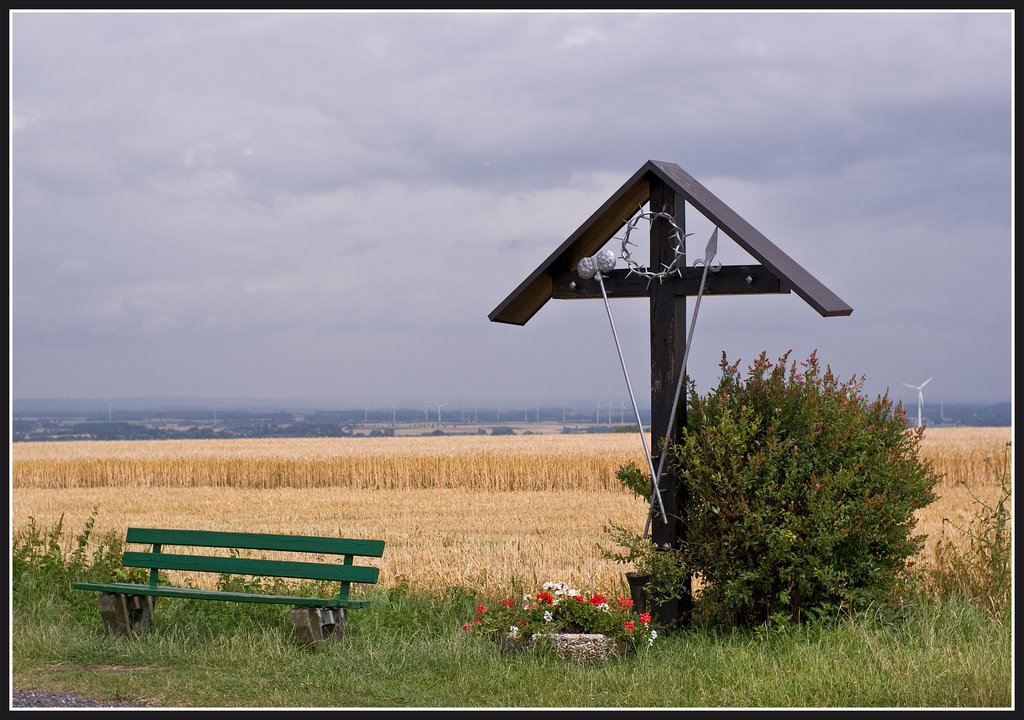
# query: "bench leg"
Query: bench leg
{"points": [[126, 614], [315, 625]]}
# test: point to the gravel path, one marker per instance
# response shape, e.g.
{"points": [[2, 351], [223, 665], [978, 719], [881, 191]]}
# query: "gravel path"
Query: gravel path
{"points": [[42, 698]]}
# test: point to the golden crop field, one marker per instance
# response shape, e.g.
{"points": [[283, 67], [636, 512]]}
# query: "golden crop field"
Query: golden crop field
{"points": [[476, 511]]}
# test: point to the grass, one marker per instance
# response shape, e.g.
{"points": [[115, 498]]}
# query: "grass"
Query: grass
{"points": [[407, 650]]}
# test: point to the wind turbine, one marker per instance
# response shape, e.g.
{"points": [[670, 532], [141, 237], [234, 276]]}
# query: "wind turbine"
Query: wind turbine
{"points": [[439, 406], [394, 408], [920, 397]]}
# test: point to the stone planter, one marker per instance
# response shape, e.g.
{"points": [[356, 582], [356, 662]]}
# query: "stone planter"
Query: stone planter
{"points": [[579, 647], [582, 647]]}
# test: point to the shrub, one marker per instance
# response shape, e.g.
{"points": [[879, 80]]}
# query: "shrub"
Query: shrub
{"points": [[42, 566], [802, 494]]}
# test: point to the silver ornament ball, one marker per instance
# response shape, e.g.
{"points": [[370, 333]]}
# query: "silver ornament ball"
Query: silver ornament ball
{"points": [[605, 260], [585, 268]]}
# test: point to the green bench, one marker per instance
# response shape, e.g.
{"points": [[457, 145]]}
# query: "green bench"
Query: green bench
{"points": [[128, 607]]}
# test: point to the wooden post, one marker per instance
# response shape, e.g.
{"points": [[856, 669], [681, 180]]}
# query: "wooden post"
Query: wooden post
{"points": [[668, 345]]}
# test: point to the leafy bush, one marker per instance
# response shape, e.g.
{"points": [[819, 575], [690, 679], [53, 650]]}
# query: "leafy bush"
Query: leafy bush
{"points": [[802, 494], [665, 574], [44, 564]]}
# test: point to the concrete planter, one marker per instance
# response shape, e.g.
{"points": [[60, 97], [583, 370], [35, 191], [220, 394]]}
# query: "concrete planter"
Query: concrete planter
{"points": [[582, 647]]}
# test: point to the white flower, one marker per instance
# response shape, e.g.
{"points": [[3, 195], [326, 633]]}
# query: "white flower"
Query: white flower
{"points": [[604, 607], [548, 617], [654, 634], [513, 631]]}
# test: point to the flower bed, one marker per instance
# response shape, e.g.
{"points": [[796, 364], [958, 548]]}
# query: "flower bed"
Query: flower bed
{"points": [[573, 624]]}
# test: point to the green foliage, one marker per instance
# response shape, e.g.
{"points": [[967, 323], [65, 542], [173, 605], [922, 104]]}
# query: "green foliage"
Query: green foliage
{"points": [[46, 562], [981, 567], [668, 576], [802, 494], [558, 608], [632, 477]]}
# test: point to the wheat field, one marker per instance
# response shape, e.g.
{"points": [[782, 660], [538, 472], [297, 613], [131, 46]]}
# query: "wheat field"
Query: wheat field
{"points": [[476, 511]]}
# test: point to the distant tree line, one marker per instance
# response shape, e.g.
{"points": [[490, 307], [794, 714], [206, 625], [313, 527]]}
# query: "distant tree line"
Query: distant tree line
{"points": [[209, 424]]}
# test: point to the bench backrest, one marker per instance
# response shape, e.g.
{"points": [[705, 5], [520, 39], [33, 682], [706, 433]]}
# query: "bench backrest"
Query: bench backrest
{"points": [[345, 572]]}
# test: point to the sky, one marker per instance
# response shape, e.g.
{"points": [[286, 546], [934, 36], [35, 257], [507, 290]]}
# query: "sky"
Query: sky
{"points": [[325, 207]]}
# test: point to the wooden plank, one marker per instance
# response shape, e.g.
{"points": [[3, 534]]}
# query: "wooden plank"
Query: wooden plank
{"points": [[730, 280], [251, 566], [808, 287], [668, 346], [531, 294], [257, 541], [200, 594]]}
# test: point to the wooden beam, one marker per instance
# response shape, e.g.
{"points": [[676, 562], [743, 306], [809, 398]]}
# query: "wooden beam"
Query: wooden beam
{"points": [[730, 280], [668, 346]]}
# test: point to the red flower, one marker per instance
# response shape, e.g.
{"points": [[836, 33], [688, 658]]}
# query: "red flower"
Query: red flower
{"points": [[467, 627], [598, 600], [645, 618], [578, 598], [507, 603], [626, 602], [481, 609], [546, 598], [629, 625]]}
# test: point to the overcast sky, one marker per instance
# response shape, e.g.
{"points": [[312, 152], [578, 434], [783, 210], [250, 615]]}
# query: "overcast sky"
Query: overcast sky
{"points": [[328, 206]]}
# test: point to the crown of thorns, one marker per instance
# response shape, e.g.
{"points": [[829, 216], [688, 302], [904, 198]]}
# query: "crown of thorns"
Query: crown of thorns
{"points": [[678, 251]]}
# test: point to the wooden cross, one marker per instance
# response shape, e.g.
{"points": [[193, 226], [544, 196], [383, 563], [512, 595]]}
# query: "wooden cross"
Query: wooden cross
{"points": [[667, 188]]}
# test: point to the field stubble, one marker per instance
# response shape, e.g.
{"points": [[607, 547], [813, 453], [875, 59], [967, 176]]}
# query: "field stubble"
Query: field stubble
{"points": [[481, 512]]}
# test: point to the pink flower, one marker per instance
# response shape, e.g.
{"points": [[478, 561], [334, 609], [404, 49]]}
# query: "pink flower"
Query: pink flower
{"points": [[467, 627]]}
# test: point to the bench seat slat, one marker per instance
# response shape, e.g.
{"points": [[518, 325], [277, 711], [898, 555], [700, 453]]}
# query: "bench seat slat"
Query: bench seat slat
{"points": [[257, 541], [251, 566], [201, 594]]}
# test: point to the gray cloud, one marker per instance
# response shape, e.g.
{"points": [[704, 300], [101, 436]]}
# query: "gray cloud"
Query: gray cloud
{"points": [[330, 204]]}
